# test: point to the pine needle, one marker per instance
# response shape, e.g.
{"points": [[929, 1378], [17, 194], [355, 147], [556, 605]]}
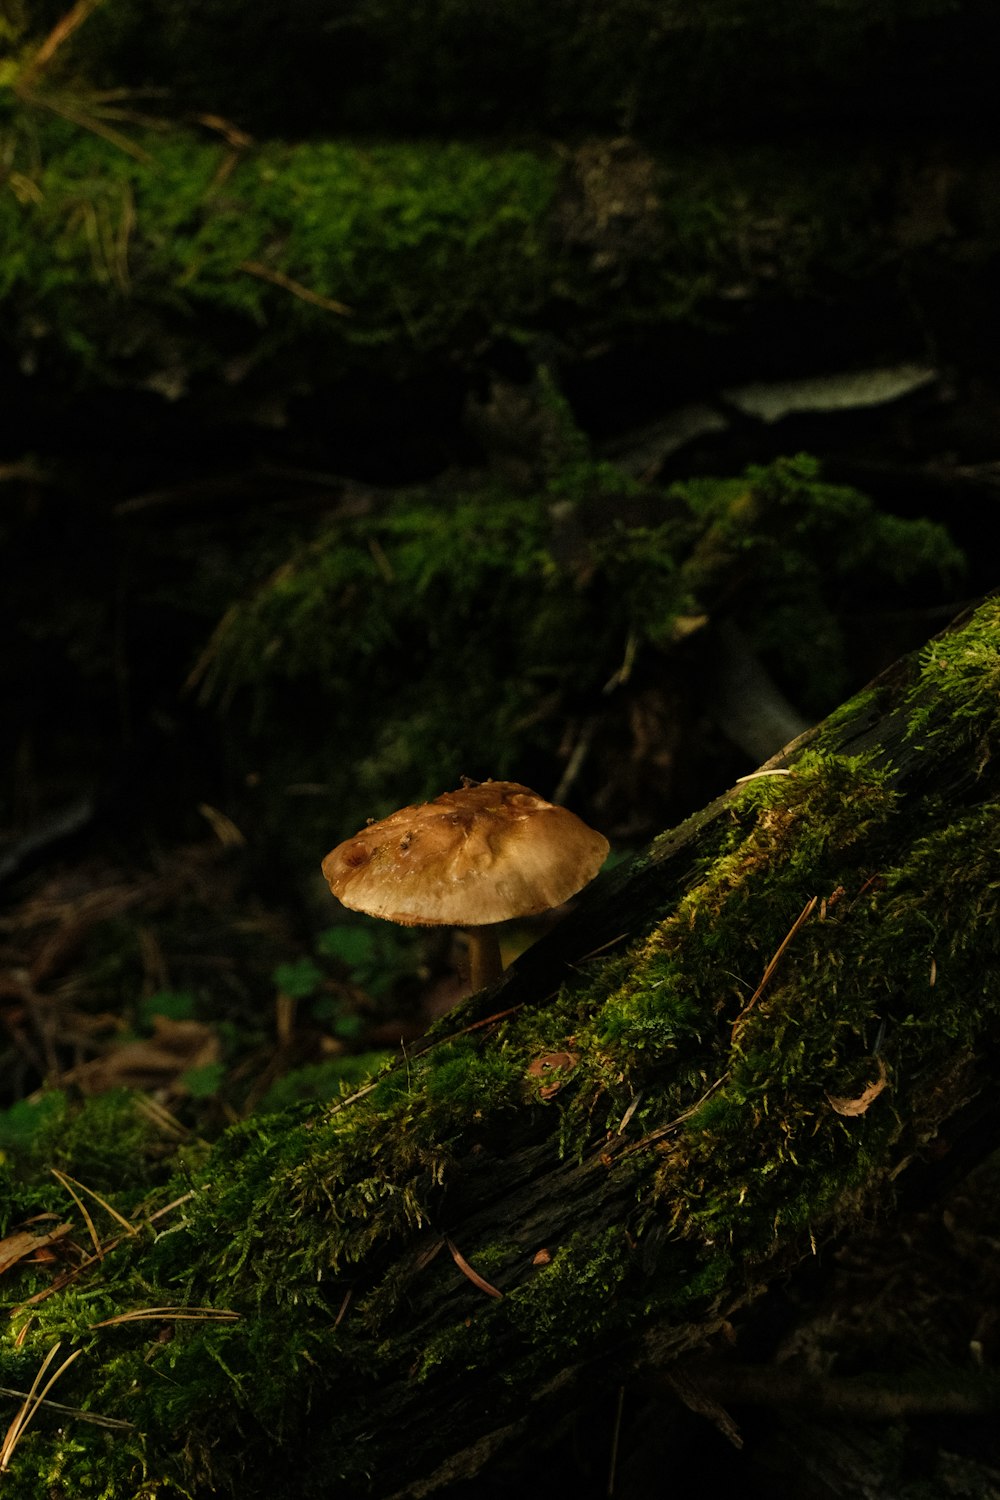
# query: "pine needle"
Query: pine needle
{"points": [[91, 1227], [69, 1183], [194, 1314], [61, 31], [474, 1276]]}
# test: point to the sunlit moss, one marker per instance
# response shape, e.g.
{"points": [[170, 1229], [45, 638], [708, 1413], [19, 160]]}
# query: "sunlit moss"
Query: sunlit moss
{"points": [[969, 662]]}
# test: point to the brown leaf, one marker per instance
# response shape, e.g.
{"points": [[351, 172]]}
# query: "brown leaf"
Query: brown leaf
{"points": [[869, 1093], [16, 1246], [552, 1062]]}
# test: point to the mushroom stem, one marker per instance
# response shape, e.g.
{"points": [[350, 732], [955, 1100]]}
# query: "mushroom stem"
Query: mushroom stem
{"points": [[484, 956]]}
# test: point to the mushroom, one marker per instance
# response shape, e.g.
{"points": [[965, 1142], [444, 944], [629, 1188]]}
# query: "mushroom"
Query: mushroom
{"points": [[488, 852]]}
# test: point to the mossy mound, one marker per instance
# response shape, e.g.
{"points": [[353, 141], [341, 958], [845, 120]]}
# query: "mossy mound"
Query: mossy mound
{"points": [[467, 634]]}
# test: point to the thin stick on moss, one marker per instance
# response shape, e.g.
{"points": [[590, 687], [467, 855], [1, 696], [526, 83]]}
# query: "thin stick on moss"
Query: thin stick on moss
{"points": [[91, 1227], [289, 284], [474, 1276], [803, 916], [95, 1418], [32, 1402]]}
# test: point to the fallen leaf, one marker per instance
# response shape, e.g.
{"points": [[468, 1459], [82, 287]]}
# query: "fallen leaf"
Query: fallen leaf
{"points": [[14, 1247], [562, 1062], [869, 1093]]}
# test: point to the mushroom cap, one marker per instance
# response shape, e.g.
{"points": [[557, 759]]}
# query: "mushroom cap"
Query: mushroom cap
{"points": [[491, 851]]}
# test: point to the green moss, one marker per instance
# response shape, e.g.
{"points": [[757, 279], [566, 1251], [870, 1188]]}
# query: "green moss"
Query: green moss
{"points": [[567, 1302], [855, 1004], [968, 663], [271, 239], [694, 1292], [320, 1082], [692, 971], [463, 1346], [946, 895], [553, 1313], [795, 534], [653, 1014], [113, 1144], [460, 1082], [840, 1013]]}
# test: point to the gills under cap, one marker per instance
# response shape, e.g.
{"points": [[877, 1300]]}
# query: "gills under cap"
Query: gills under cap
{"points": [[488, 852]]}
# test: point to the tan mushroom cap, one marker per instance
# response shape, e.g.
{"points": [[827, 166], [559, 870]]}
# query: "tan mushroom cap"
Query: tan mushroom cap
{"points": [[488, 852]]}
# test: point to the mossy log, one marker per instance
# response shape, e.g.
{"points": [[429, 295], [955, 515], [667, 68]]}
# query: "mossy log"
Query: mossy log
{"points": [[194, 261], [736, 1050]]}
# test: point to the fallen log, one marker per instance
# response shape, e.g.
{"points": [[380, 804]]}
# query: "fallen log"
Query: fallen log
{"points": [[777, 1022]]}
